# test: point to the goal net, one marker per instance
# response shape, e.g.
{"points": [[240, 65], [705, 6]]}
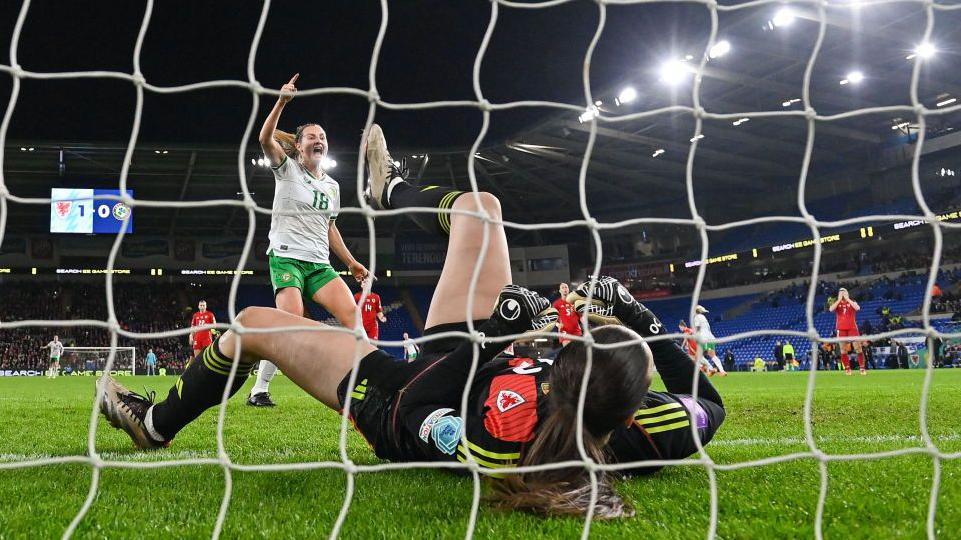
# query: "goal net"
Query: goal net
{"points": [[113, 358], [93, 360]]}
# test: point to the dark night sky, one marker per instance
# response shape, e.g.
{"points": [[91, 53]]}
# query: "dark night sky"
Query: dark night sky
{"points": [[427, 55]]}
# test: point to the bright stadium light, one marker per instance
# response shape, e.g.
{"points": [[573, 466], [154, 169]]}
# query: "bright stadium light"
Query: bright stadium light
{"points": [[657, 152], [627, 95], [588, 115], [853, 77], [740, 121], [701, 136], [720, 49], [946, 102], [328, 162], [674, 72], [924, 50], [784, 17]]}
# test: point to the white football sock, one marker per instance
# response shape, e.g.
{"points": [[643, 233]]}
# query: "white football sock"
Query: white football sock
{"points": [[264, 375], [717, 363], [148, 424]]}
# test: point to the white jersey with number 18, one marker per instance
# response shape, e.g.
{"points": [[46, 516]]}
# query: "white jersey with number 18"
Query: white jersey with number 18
{"points": [[302, 235]]}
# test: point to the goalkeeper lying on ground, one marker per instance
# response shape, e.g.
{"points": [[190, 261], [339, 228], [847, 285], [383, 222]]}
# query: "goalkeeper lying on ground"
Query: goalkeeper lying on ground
{"points": [[520, 413]]}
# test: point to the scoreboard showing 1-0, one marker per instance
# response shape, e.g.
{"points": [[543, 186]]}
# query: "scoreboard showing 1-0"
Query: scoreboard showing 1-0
{"points": [[86, 211]]}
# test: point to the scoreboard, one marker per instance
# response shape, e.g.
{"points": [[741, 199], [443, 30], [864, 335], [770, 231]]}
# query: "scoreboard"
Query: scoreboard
{"points": [[87, 211]]}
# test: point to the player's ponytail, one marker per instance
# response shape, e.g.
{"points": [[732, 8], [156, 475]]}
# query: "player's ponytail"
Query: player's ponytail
{"points": [[287, 141], [618, 381]]}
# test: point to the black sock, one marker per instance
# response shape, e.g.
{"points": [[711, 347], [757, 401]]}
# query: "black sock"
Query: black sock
{"points": [[405, 195], [199, 388]]}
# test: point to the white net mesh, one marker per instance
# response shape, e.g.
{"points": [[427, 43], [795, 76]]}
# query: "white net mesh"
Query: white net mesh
{"points": [[703, 459]]}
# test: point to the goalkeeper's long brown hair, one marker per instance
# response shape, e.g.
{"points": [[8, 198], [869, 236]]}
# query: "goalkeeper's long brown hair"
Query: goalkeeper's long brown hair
{"points": [[288, 141], [619, 379]]}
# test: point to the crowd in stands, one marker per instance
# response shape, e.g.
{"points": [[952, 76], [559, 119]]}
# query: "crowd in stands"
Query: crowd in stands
{"points": [[163, 309]]}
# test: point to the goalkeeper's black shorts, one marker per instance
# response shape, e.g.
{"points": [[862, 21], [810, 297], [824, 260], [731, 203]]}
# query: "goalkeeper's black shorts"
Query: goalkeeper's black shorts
{"points": [[380, 378]]}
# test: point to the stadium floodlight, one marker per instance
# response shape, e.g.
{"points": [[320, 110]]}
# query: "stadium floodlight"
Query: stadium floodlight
{"points": [[740, 121], [946, 102], [626, 95], [924, 50], [790, 102], [853, 77], [588, 115], [784, 17], [23, 148], [328, 162], [674, 72], [701, 136], [719, 49], [657, 152]]}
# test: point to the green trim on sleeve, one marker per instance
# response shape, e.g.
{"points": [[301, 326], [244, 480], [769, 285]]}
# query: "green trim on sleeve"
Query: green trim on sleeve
{"points": [[286, 157]]}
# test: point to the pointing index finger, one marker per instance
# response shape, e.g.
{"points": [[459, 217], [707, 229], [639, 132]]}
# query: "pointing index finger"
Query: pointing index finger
{"points": [[294, 78]]}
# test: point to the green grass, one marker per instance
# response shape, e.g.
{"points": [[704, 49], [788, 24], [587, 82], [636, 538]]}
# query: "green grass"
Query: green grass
{"points": [[884, 498]]}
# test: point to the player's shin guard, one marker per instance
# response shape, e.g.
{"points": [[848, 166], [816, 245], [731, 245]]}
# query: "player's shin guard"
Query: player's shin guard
{"points": [[400, 194], [199, 388]]}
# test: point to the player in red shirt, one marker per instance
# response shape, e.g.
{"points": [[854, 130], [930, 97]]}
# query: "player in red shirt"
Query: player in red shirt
{"points": [[846, 325], [568, 320], [371, 312], [201, 339]]}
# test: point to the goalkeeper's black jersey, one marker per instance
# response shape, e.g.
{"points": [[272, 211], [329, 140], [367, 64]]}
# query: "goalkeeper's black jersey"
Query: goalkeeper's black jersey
{"points": [[505, 403], [662, 430]]}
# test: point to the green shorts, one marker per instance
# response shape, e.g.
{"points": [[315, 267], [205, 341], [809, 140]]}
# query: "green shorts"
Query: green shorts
{"points": [[309, 277], [709, 346]]}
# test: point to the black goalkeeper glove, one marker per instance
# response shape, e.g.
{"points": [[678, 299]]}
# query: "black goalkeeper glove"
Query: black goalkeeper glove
{"points": [[519, 311], [612, 303]]}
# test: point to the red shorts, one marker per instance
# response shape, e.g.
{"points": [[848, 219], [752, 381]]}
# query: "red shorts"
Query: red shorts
{"points": [[851, 332], [372, 330], [202, 341]]}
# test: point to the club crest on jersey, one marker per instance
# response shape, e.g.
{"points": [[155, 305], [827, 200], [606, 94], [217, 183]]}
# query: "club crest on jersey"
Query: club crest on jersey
{"points": [[286, 276], [63, 208], [508, 399]]}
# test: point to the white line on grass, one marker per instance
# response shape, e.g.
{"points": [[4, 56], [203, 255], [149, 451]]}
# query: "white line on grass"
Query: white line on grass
{"points": [[268, 456]]}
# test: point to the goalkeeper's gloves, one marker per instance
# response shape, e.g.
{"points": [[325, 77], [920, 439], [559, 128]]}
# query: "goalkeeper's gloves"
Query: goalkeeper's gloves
{"points": [[612, 303], [519, 311]]}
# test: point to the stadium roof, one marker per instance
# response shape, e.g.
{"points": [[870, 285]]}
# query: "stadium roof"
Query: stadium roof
{"points": [[532, 156]]}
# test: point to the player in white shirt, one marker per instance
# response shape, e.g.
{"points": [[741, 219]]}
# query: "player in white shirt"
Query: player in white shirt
{"points": [[702, 329], [303, 230], [56, 351], [411, 350]]}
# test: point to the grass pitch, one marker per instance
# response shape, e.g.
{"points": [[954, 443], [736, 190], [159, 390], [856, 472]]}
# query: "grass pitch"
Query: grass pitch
{"points": [[866, 498]]}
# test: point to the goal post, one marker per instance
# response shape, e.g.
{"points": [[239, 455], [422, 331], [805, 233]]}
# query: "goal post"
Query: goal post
{"points": [[96, 357]]}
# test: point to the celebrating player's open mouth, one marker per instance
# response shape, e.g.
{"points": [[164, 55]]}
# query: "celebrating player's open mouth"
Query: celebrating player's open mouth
{"points": [[520, 412]]}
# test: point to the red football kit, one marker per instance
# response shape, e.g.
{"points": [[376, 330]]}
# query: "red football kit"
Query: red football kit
{"points": [[570, 323], [846, 319], [690, 345], [202, 338], [368, 313]]}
